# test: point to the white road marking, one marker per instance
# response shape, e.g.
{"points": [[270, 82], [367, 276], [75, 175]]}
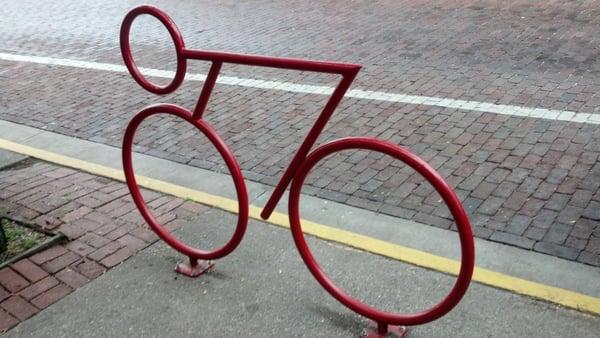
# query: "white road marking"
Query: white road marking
{"points": [[486, 107]]}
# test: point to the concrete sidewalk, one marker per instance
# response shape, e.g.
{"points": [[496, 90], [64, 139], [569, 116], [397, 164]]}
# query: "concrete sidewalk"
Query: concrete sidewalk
{"points": [[264, 290], [264, 281]]}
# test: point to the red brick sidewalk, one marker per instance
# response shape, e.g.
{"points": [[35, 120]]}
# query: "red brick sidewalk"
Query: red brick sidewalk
{"points": [[96, 214]]}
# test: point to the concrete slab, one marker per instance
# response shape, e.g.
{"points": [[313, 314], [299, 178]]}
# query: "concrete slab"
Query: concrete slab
{"points": [[102, 154], [264, 290], [499, 257], [21, 133], [8, 158]]}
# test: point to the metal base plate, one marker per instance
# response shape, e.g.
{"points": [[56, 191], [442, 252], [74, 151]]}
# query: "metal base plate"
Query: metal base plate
{"points": [[195, 270], [390, 331]]}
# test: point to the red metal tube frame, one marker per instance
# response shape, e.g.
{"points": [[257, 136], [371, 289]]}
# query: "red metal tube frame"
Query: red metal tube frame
{"points": [[297, 170], [230, 161], [346, 70]]}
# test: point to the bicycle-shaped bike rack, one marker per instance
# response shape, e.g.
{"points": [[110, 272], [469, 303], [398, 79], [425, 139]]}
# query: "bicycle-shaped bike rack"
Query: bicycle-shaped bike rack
{"points": [[301, 164]]}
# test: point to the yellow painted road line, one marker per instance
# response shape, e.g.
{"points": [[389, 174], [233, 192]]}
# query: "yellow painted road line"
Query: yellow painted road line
{"points": [[521, 286]]}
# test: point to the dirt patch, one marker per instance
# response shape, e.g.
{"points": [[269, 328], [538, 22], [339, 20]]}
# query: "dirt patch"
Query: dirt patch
{"points": [[18, 239]]}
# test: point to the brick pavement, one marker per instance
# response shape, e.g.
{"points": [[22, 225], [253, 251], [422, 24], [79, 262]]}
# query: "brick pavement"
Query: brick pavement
{"points": [[97, 216], [526, 182], [535, 53]]}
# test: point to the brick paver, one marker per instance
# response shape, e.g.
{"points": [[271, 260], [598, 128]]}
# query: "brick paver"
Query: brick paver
{"points": [[29, 270], [19, 307], [99, 238], [12, 281], [527, 182]]}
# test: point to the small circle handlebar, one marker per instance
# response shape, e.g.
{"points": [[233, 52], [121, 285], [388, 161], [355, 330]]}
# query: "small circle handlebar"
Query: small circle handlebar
{"points": [[177, 41]]}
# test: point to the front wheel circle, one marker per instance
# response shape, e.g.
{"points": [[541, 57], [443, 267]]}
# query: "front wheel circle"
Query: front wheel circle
{"points": [[434, 178]]}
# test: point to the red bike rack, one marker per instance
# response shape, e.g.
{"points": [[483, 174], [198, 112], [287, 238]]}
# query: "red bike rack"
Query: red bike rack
{"points": [[295, 174]]}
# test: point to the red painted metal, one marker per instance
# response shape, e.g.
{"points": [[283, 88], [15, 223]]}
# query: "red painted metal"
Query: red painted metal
{"points": [[207, 89], [177, 41], [296, 172], [348, 72], [309, 141], [331, 67], [449, 197], [229, 159]]}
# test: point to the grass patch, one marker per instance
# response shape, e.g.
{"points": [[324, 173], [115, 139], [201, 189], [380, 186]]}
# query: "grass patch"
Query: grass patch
{"points": [[19, 239]]}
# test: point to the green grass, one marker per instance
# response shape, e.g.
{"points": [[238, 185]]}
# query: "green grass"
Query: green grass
{"points": [[19, 239]]}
